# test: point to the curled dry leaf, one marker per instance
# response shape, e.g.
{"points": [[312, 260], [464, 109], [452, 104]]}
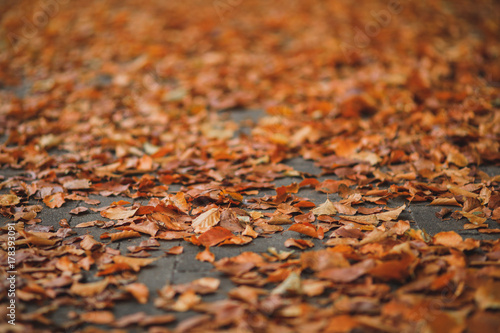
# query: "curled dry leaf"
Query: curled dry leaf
{"points": [[206, 220], [326, 208], [445, 202], [236, 240], [347, 274], [375, 218], [299, 243], [78, 210], [118, 213], [249, 231], [89, 243], [120, 235]]}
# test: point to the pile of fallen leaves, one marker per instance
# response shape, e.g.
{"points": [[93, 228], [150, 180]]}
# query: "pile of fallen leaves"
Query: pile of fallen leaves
{"points": [[121, 98]]}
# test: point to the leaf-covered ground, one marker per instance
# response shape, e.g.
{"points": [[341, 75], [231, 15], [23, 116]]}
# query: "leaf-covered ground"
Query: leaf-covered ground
{"points": [[250, 166]]}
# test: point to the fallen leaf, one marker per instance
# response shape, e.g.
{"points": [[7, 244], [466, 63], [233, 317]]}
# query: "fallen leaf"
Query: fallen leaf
{"points": [[77, 184], [214, 236], [139, 290], [54, 200], [205, 255], [78, 210], [89, 289], [98, 317], [307, 229], [175, 250], [120, 235], [135, 263], [326, 208], [299, 243], [206, 220], [347, 274], [448, 238], [9, 200], [487, 296], [118, 213]]}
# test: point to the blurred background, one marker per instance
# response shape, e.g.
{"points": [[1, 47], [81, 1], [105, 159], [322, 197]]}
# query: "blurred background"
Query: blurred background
{"points": [[222, 54]]}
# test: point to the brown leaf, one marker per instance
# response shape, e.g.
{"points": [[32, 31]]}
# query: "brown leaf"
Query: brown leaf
{"points": [[347, 274], [474, 218], [9, 200]]}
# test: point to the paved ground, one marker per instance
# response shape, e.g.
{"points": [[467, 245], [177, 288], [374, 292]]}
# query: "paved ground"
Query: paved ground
{"points": [[185, 268]]}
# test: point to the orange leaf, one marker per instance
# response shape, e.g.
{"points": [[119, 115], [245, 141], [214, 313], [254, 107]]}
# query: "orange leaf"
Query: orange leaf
{"points": [[98, 317], [299, 243], [135, 263], [308, 229], [120, 235], [205, 255], [54, 200], [214, 236], [89, 289], [139, 290], [175, 250], [448, 238]]}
